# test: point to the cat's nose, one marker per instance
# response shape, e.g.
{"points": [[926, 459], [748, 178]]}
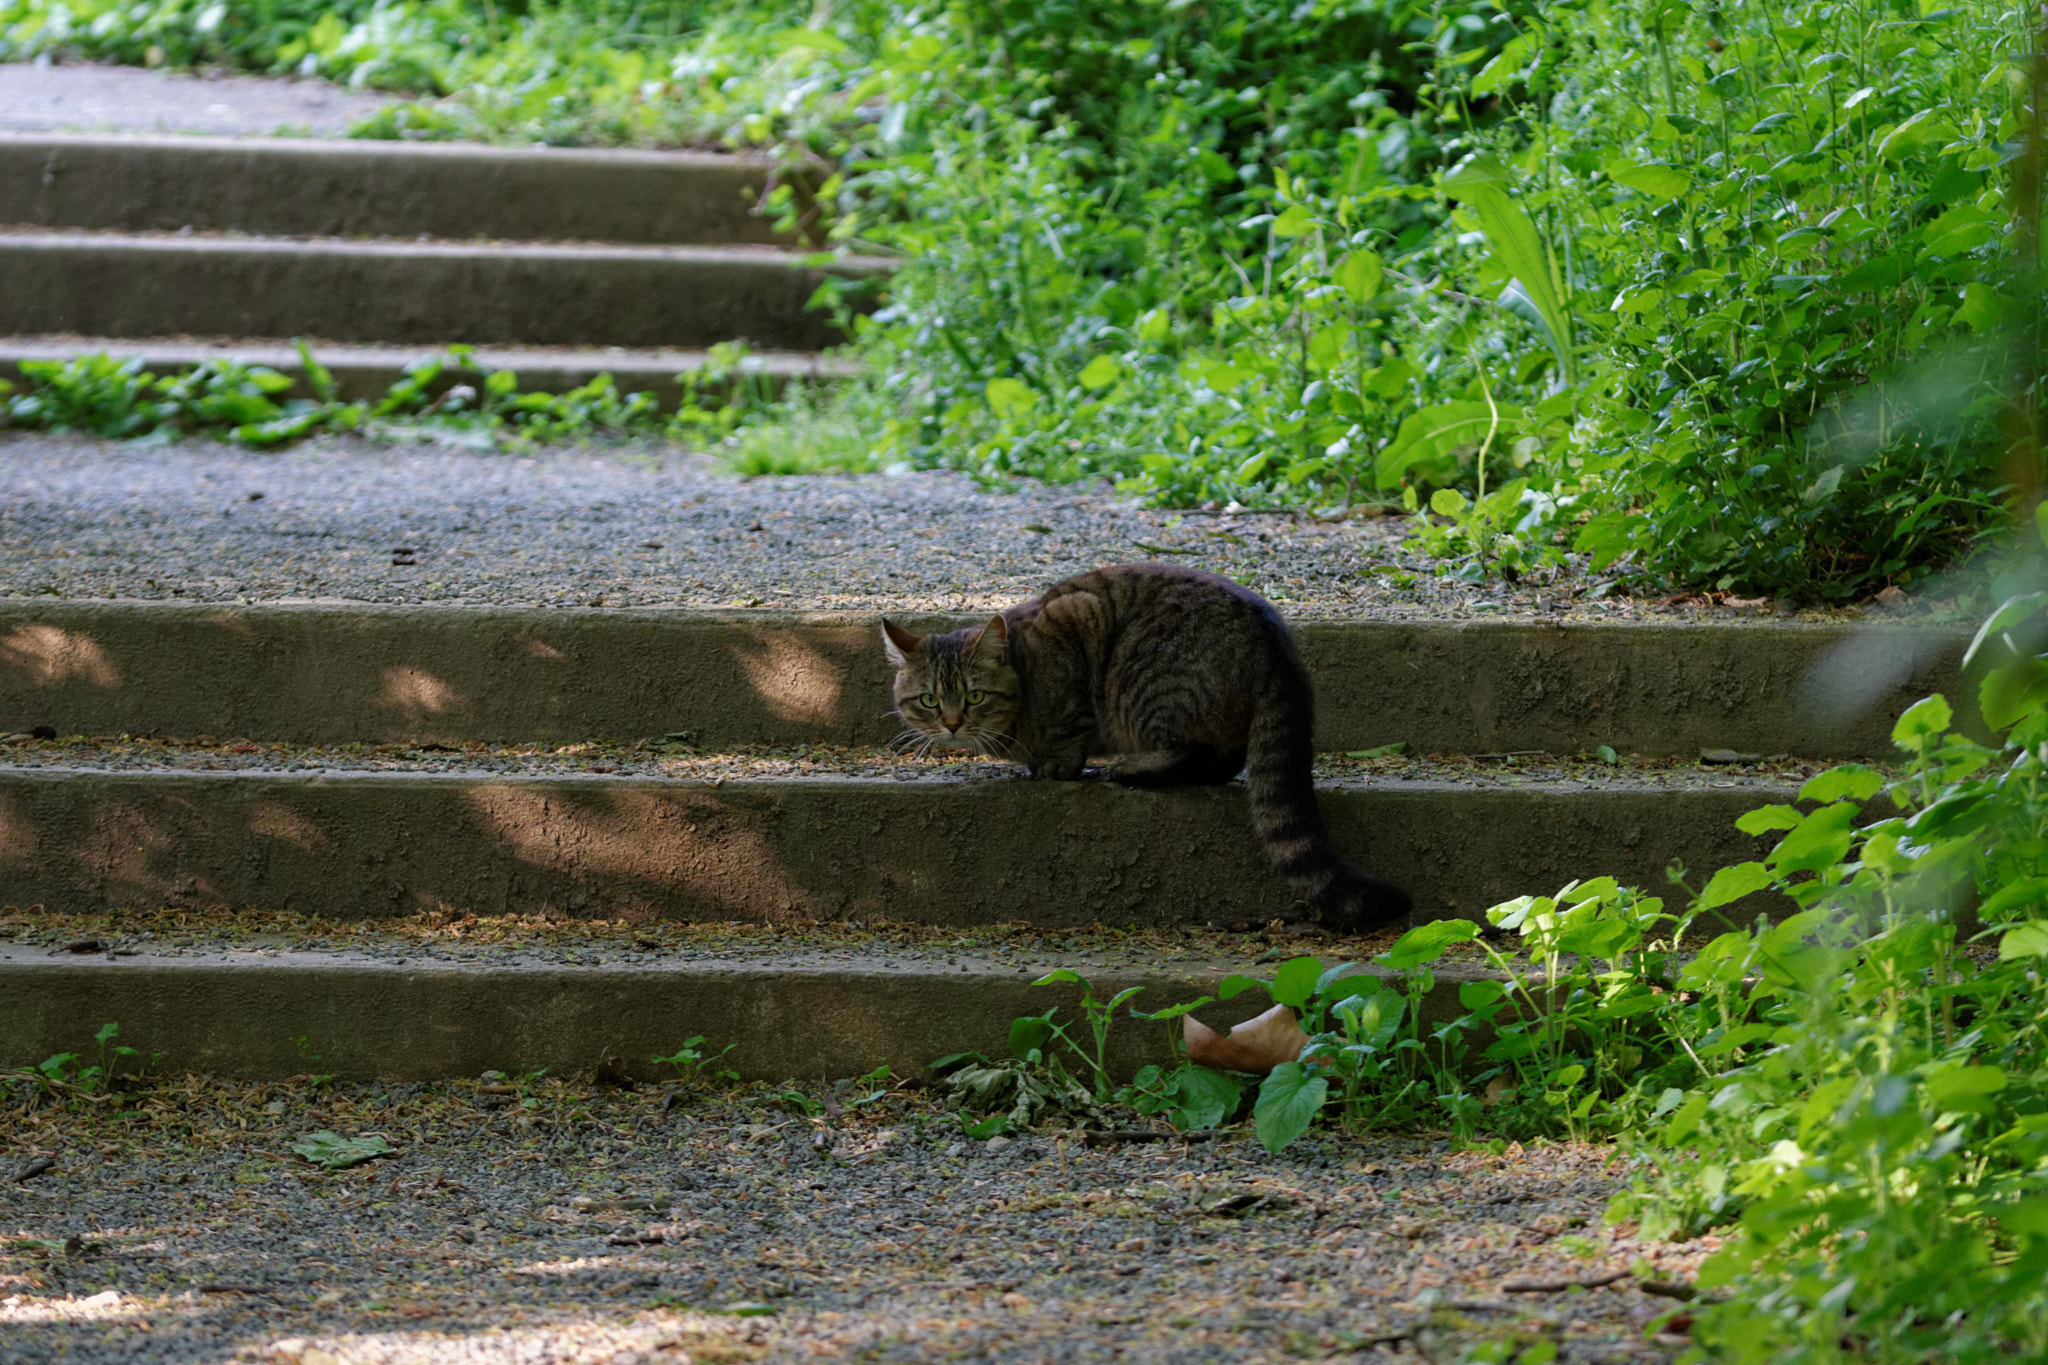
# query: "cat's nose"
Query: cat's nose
{"points": [[952, 720]]}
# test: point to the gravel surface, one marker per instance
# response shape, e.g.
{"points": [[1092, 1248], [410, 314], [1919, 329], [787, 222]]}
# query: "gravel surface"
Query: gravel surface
{"points": [[35, 98], [172, 931], [350, 519], [542, 1221], [1364, 768]]}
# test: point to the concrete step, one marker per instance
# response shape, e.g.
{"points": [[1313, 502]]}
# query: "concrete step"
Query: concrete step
{"points": [[771, 840], [368, 371], [335, 188], [337, 672], [436, 1007], [412, 293]]}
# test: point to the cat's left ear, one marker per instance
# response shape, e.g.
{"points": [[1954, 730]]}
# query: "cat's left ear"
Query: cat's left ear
{"points": [[992, 642], [899, 644]]}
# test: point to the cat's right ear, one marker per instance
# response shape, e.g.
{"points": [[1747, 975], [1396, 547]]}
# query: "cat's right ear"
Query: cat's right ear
{"points": [[899, 644]]}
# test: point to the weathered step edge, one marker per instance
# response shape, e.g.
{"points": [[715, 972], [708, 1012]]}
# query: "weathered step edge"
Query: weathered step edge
{"points": [[362, 188], [415, 293], [368, 845], [366, 372], [236, 1015], [328, 673]]}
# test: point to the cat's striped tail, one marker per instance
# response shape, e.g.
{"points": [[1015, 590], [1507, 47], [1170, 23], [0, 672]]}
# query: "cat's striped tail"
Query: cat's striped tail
{"points": [[1279, 769]]}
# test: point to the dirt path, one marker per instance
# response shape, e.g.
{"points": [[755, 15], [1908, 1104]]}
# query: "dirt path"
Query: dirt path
{"points": [[348, 519], [128, 99], [550, 1222]]}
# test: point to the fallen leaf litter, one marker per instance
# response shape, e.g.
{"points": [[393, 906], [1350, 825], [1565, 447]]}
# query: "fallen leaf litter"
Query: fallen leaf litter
{"points": [[574, 1222], [680, 759]]}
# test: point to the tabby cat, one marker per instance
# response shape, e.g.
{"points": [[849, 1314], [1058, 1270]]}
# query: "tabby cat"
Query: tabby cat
{"points": [[1187, 677]]}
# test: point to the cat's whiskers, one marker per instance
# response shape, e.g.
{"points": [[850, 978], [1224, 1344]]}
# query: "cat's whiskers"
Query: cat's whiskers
{"points": [[1004, 745]]}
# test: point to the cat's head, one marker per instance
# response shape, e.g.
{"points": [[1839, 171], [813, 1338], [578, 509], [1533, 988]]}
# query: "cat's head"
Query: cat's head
{"points": [[957, 689]]}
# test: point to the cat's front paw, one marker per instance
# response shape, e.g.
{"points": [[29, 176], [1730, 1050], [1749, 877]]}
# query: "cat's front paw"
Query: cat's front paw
{"points": [[1055, 770]]}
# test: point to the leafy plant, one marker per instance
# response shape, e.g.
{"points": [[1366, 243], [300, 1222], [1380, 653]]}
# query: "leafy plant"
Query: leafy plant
{"points": [[65, 1075], [310, 1059], [695, 1065]]}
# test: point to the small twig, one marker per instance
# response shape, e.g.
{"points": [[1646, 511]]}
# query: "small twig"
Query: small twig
{"points": [[1678, 1289], [1559, 1286], [34, 1169], [1109, 1137], [237, 1289]]}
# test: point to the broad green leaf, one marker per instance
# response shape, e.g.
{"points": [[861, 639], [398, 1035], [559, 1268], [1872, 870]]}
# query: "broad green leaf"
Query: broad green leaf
{"points": [[1294, 981], [1739, 1036], [2010, 694], [815, 39], [1764, 819], [1447, 502], [1434, 432], [1821, 840], [2023, 941], [1925, 720], [1427, 942], [1061, 974], [1599, 938], [2027, 1216], [1481, 182], [1390, 380], [1503, 69], [1010, 397], [1332, 975], [1174, 1011], [1030, 1033], [1966, 1089], [992, 1126], [1686, 1120], [337, 1153], [1359, 276], [1232, 986], [1983, 308], [1101, 372], [1204, 1098], [1294, 221], [1851, 780], [1598, 889], [1658, 182], [1289, 1099], [1915, 130], [2014, 610], [1731, 884], [1479, 995], [2020, 895]]}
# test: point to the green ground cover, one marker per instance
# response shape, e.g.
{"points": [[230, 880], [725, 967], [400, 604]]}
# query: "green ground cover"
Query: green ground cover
{"points": [[1716, 293], [1854, 1094]]}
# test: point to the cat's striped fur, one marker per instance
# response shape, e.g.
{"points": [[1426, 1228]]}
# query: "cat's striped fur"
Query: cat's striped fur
{"points": [[1185, 676]]}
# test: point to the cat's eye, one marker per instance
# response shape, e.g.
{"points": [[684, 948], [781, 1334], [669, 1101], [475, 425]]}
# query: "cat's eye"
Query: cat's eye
{"points": [[976, 697], [929, 701]]}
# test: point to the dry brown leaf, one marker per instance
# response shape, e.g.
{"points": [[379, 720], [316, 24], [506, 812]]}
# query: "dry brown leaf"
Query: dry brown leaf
{"points": [[1257, 1045]]}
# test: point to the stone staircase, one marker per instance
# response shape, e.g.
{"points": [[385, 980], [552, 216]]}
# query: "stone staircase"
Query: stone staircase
{"points": [[557, 264], [429, 820], [346, 762]]}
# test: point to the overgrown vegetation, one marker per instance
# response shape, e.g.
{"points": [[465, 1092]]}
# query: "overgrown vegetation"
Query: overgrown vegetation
{"points": [[1714, 293], [252, 404], [1855, 1094]]}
